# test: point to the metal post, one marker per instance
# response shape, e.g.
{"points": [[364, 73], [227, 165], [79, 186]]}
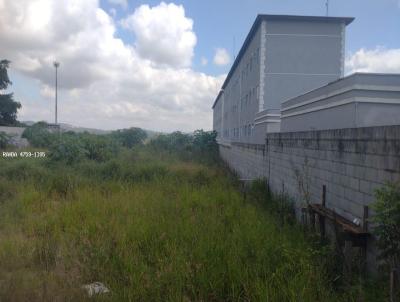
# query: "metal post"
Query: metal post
{"points": [[56, 65], [365, 242], [56, 96], [347, 269], [320, 217]]}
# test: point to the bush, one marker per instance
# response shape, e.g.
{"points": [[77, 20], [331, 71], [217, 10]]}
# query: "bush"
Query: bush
{"points": [[204, 141], [129, 137], [279, 204], [99, 148], [21, 171], [39, 136], [147, 173], [177, 142], [69, 150], [7, 190], [110, 170], [4, 139], [201, 145], [387, 218], [61, 184]]}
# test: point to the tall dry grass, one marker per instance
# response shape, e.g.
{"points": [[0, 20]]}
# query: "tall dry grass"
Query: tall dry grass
{"points": [[151, 228]]}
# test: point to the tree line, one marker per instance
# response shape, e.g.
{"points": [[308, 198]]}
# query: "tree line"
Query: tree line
{"points": [[8, 107]]}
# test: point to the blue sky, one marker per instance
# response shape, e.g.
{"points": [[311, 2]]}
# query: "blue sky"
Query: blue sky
{"points": [[220, 23], [158, 65]]}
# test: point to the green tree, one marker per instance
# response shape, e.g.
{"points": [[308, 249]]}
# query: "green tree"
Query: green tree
{"points": [[38, 135], [98, 147], [205, 145], [177, 142], [130, 137], [8, 107], [70, 149], [205, 141], [201, 145]]}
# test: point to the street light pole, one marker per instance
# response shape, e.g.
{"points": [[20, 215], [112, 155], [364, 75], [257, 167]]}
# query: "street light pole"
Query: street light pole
{"points": [[56, 65]]}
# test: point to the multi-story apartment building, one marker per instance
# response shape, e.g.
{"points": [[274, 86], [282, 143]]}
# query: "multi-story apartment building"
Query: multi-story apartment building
{"points": [[282, 57]]}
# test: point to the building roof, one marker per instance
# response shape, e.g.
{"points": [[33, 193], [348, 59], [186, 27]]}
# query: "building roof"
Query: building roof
{"points": [[256, 24], [355, 81]]}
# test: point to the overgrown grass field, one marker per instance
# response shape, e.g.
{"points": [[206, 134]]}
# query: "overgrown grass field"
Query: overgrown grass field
{"points": [[151, 227]]}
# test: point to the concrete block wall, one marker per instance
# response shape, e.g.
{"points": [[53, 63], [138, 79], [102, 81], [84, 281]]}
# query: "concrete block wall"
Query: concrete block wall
{"points": [[247, 160], [16, 136], [352, 163]]}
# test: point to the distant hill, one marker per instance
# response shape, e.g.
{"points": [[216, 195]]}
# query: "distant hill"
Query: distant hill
{"points": [[68, 127]]}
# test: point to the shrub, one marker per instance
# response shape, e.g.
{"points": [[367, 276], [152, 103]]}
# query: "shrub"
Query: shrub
{"points": [[99, 148], [4, 139], [201, 146], [279, 204], [148, 172], [38, 135], [177, 142], [387, 218], [24, 171], [69, 150], [110, 170], [129, 137], [7, 190], [61, 184], [205, 141]]}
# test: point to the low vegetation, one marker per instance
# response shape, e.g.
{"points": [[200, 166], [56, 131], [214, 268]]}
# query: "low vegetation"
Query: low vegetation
{"points": [[387, 231], [8, 107], [4, 140], [156, 222]]}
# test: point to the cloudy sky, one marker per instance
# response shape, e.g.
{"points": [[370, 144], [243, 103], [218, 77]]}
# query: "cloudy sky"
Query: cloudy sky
{"points": [[158, 65]]}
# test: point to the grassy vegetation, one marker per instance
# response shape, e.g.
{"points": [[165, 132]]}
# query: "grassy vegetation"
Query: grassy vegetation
{"points": [[151, 227]]}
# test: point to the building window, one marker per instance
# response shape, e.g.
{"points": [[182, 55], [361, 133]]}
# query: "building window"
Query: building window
{"points": [[258, 92]]}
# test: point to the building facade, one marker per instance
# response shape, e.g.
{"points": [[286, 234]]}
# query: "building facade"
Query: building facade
{"points": [[358, 100], [286, 113], [282, 57]]}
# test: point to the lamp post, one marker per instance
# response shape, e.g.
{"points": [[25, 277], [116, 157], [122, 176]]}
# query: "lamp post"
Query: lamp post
{"points": [[56, 65]]}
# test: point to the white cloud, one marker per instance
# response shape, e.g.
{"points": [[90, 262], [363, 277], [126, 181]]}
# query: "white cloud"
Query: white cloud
{"points": [[204, 61], [122, 3], [113, 12], [163, 34], [103, 81], [221, 57], [374, 60]]}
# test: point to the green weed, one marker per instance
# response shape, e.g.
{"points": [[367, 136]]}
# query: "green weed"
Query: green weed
{"points": [[151, 227]]}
